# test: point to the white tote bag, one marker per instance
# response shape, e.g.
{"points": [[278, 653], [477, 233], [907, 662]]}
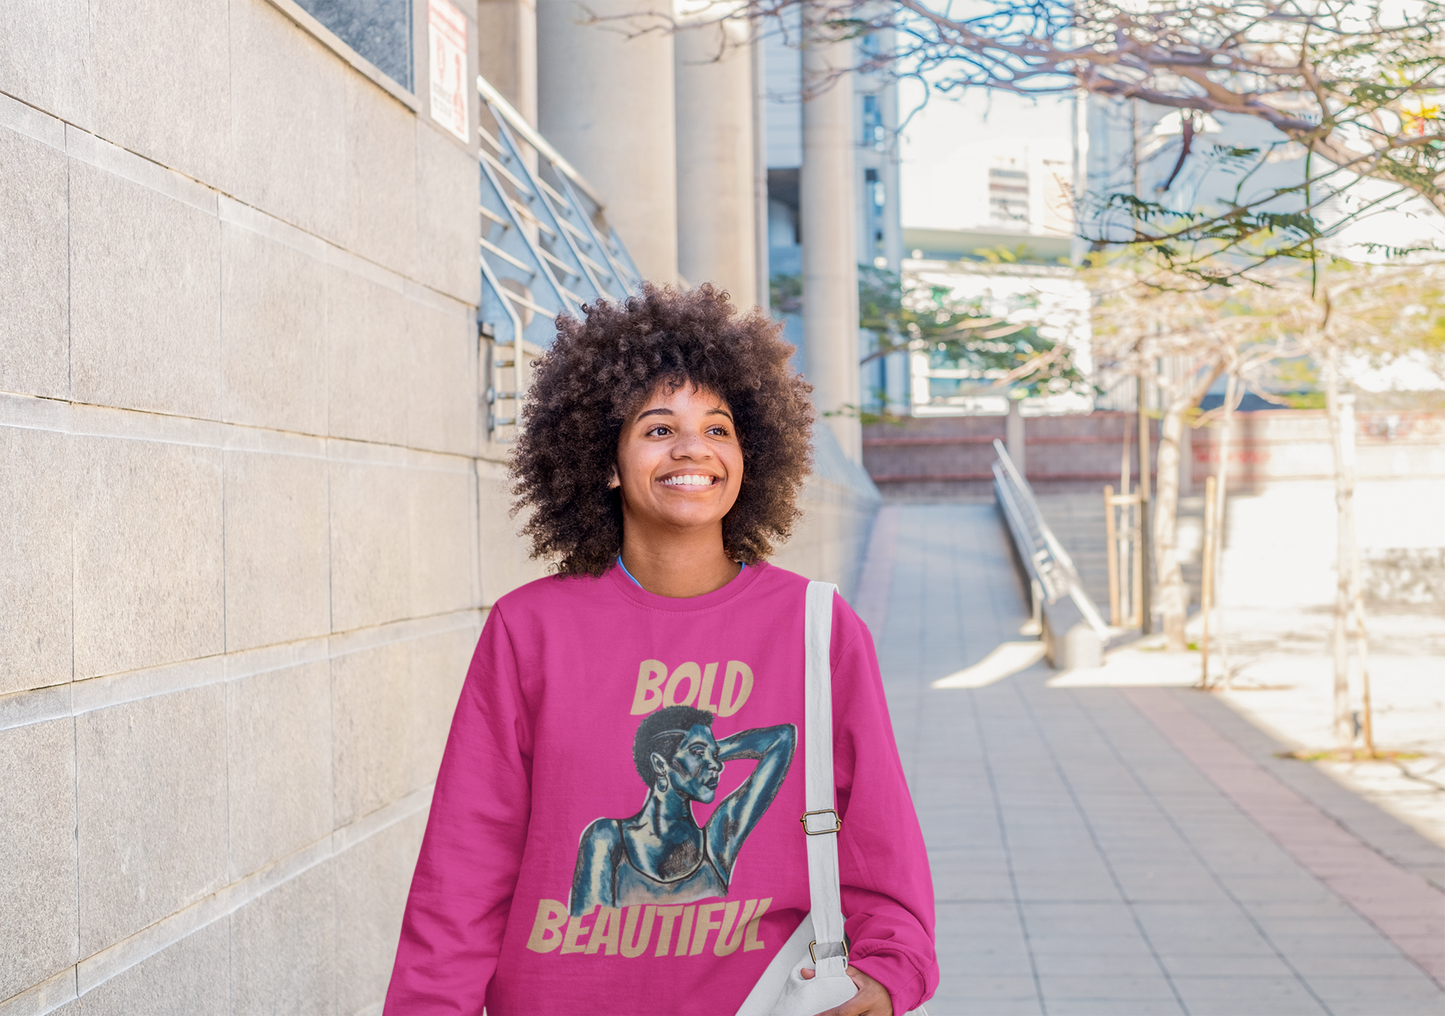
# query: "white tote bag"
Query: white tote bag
{"points": [[818, 942]]}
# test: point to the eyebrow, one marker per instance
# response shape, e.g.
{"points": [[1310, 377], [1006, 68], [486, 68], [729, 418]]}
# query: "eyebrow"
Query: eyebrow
{"points": [[664, 411]]}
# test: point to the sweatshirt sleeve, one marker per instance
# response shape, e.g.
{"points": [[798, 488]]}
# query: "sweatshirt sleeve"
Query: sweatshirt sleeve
{"points": [[451, 933], [883, 864]]}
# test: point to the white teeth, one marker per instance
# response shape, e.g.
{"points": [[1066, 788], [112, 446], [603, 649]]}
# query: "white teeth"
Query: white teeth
{"points": [[689, 481]]}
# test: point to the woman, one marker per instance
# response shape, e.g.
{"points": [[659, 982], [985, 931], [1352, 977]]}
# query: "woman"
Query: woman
{"points": [[665, 443]]}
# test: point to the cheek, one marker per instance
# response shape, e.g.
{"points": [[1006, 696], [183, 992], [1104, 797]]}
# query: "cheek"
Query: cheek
{"points": [[735, 468], [635, 462]]}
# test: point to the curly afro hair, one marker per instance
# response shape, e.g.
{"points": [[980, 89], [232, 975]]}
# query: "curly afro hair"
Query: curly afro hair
{"points": [[663, 732], [604, 366]]}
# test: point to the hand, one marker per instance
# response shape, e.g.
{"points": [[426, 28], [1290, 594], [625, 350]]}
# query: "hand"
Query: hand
{"points": [[872, 998]]}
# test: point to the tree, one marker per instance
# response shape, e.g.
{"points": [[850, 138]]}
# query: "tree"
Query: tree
{"points": [[905, 315], [1356, 85], [1181, 338], [1378, 313]]}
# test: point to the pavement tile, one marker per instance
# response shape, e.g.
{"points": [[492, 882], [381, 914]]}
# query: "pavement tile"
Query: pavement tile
{"points": [[1112, 986], [989, 986], [1251, 1007], [1011, 963], [1382, 990], [1399, 1007], [1140, 964], [1265, 992], [960, 1005], [1112, 1006], [1103, 945], [1240, 964], [1353, 965], [1358, 944]]}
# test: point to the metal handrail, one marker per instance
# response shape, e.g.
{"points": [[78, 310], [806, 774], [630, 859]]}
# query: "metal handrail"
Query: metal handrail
{"points": [[1044, 556], [518, 228], [519, 123]]}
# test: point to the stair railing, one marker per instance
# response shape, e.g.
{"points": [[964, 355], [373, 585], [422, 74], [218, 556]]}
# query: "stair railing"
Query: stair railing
{"points": [[1051, 571], [546, 249]]}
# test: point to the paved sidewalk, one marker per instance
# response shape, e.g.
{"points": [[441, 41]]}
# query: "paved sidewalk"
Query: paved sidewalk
{"points": [[1094, 851]]}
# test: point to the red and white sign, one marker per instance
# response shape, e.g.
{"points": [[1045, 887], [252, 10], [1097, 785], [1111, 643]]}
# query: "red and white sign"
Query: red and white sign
{"points": [[447, 33]]}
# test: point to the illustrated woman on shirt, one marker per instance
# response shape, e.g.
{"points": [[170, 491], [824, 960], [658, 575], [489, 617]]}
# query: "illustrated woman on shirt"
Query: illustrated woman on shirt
{"points": [[660, 854], [665, 442]]}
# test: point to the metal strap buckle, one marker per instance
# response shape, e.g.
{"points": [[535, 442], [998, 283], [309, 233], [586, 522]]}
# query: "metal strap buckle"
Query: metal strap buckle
{"points": [[842, 945], [837, 822]]}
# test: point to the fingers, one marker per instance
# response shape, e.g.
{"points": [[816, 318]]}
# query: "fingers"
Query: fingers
{"points": [[872, 998], [807, 974]]}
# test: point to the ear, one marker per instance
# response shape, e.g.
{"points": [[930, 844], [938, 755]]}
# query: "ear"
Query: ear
{"points": [[613, 481], [659, 764]]}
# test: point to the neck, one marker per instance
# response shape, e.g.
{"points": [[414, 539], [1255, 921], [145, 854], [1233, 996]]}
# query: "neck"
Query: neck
{"points": [[679, 563], [668, 810]]}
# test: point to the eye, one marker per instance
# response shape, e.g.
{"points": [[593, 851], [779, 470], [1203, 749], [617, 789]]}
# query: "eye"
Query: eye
{"points": [[719, 430], [697, 750], [660, 430]]}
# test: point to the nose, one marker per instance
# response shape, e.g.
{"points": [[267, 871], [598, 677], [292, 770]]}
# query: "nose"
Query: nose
{"points": [[690, 445]]}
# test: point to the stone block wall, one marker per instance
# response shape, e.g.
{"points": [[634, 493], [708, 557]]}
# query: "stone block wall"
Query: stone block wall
{"points": [[839, 506], [249, 523]]}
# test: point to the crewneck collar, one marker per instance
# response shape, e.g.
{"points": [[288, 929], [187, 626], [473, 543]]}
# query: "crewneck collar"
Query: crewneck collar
{"points": [[629, 587]]}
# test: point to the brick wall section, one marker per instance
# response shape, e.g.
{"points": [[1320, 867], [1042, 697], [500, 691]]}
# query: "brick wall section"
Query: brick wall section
{"points": [[1267, 447], [959, 449]]}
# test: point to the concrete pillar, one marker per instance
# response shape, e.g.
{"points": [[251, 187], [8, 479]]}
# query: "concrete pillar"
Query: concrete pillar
{"points": [[716, 220], [760, 168], [828, 195], [507, 43], [1014, 435], [605, 102], [1186, 461]]}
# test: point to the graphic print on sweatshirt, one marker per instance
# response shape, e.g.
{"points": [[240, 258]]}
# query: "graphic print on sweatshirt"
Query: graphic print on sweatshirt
{"points": [[644, 867]]}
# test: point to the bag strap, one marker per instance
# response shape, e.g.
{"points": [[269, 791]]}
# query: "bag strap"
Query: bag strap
{"points": [[821, 822]]}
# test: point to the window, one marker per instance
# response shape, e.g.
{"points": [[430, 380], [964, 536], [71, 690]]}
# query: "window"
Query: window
{"points": [[876, 199], [875, 135], [379, 30], [1008, 196]]}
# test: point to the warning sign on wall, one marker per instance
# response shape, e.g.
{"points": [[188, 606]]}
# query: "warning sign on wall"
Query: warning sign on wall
{"points": [[447, 32]]}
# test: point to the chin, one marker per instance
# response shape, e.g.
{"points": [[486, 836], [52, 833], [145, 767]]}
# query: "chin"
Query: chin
{"points": [[689, 520]]}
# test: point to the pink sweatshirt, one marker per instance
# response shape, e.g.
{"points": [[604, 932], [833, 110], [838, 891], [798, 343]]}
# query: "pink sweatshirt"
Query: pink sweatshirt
{"points": [[615, 824]]}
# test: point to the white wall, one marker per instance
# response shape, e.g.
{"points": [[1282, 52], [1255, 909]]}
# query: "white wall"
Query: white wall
{"points": [[1279, 548], [949, 144]]}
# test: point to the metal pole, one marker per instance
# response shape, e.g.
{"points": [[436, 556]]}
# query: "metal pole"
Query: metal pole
{"points": [[1221, 516], [1111, 552], [1014, 433], [1206, 584], [1146, 531]]}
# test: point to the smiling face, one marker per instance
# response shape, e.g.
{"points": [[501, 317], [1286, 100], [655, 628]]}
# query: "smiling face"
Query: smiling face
{"points": [[693, 770], [679, 462]]}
